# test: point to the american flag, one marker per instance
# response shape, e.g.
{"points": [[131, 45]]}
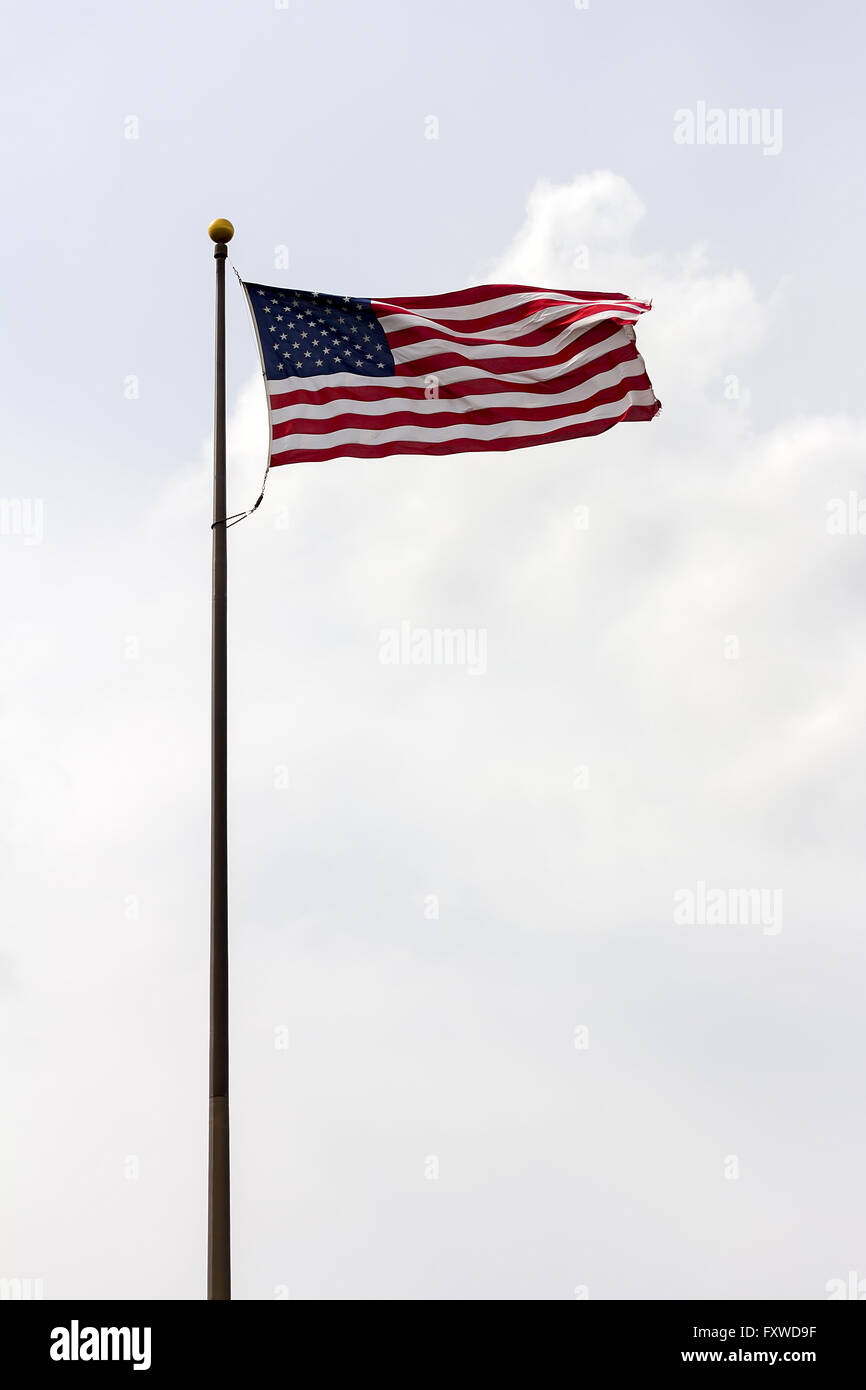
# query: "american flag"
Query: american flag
{"points": [[494, 367]]}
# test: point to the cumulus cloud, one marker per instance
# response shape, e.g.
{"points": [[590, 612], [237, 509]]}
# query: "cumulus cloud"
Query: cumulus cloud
{"points": [[437, 878]]}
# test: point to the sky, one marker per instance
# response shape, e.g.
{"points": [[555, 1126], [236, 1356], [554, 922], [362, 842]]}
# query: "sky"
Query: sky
{"points": [[501, 1026]]}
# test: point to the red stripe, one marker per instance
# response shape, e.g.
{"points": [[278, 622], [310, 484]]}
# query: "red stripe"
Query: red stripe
{"points": [[515, 315], [498, 366], [463, 446], [441, 419], [533, 337], [457, 390], [479, 293]]}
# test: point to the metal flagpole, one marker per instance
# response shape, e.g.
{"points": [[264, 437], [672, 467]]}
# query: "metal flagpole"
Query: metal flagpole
{"points": [[218, 1207]]}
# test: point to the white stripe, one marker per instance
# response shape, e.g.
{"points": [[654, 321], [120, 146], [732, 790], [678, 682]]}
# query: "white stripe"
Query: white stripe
{"points": [[507, 332], [435, 435], [450, 376], [433, 347], [506, 400], [485, 307]]}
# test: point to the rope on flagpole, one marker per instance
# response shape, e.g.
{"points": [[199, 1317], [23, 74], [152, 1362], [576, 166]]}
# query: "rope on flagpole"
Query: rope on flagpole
{"points": [[237, 517]]}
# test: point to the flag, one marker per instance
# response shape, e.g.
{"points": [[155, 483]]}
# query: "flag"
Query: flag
{"points": [[494, 367]]}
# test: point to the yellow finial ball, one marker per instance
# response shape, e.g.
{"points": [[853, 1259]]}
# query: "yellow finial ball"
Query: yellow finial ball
{"points": [[221, 230]]}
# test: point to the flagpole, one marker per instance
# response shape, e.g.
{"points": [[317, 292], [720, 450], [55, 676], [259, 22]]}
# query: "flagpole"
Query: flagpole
{"points": [[218, 1205]]}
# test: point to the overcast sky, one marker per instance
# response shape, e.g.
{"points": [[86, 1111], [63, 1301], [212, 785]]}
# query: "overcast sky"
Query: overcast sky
{"points": [[477, 1051]]}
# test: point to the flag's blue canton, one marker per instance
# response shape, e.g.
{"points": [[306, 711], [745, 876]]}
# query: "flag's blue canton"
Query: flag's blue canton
{"points": [[305, 334]]}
